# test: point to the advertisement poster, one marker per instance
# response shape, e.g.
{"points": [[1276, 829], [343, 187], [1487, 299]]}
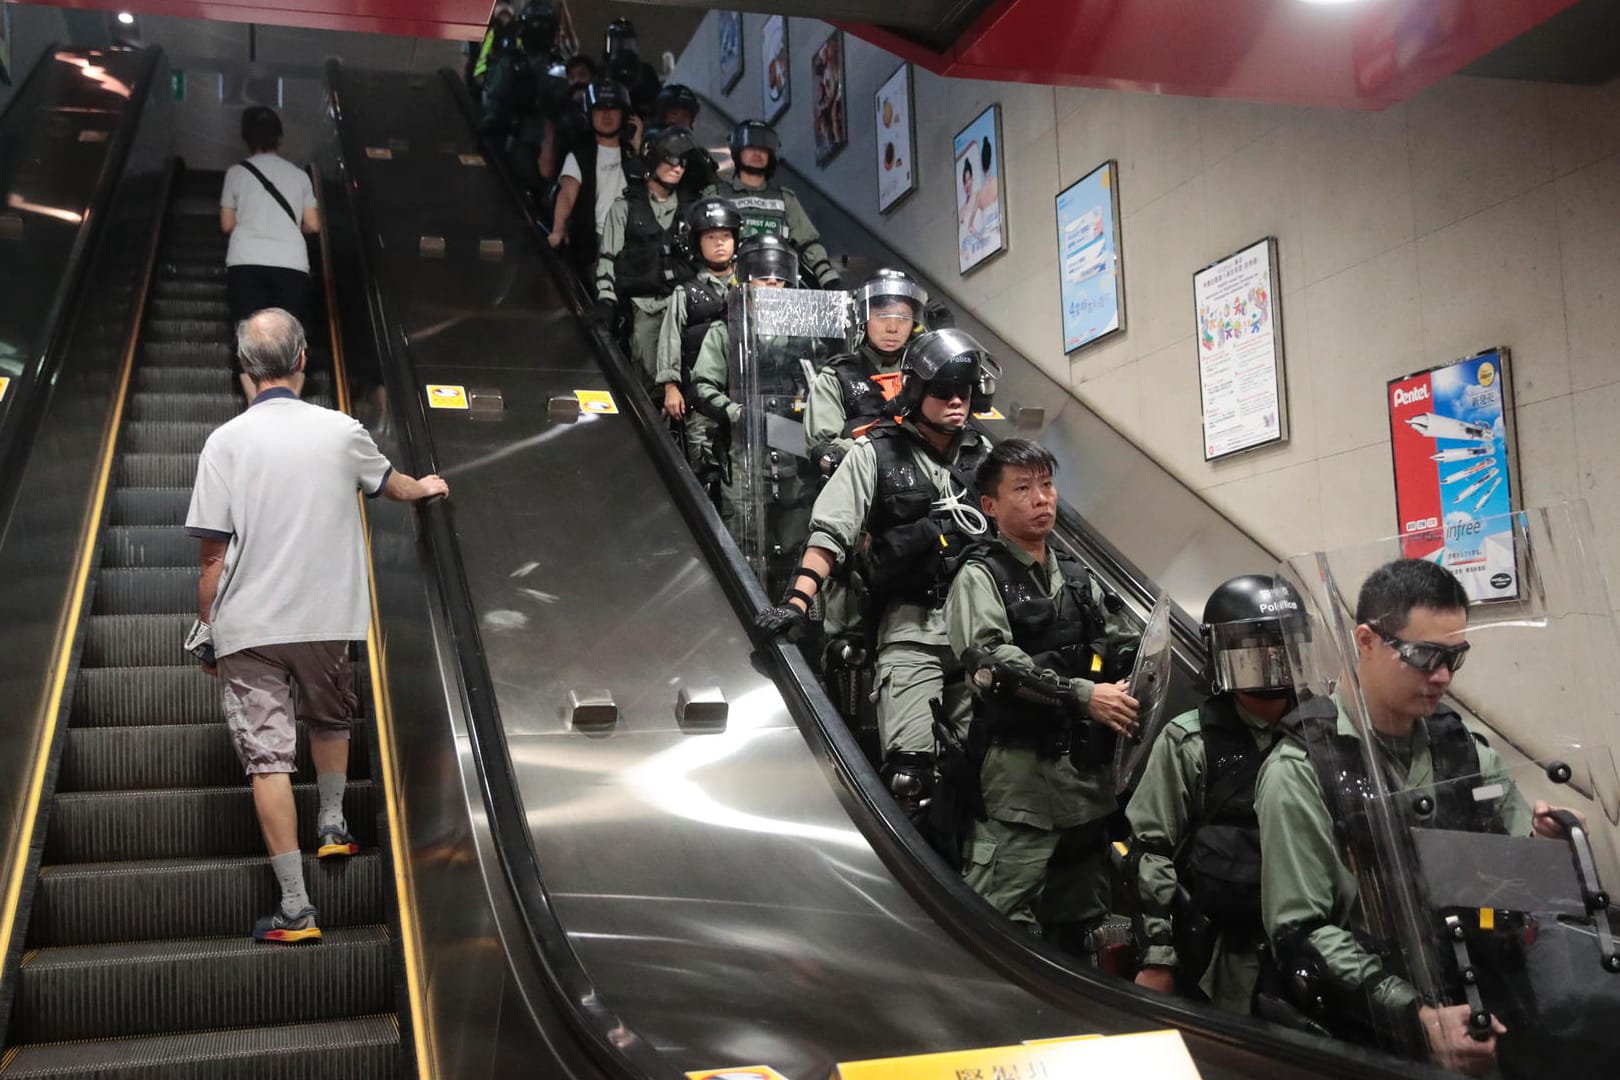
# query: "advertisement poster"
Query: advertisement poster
{"points": [[773, 71], [832, 107], [1454, 470], [895, 133], [1240, 354], [1092, 283], [981, 226], [731, 50]]}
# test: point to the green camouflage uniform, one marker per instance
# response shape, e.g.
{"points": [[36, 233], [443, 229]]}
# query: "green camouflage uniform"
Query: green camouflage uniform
{"points": [[699, 428], [1161, 813], [776, 209], [1034, 860], [647, 312]]}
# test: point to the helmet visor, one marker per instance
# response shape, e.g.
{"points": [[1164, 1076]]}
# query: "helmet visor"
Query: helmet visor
{"points": [[1248, 655], [776, 263], [759, 135], [673, 146], [879, 298]]}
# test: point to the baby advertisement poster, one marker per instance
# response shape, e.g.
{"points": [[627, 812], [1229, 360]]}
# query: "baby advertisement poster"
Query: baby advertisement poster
{"points": [[1453, 471]]}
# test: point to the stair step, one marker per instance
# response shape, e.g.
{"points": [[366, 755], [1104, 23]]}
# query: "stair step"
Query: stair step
{"points": [[190, 408], [146, 590], [147, 545], [189, 290], [187, 379], [365, 1048], [135, 696], [160, 470], [204, 310], [185, 271], [97, 903], [114, 641], [108, 826], [151, 506], [176, 755], [210, 354], [167, 436], [139, 988]]}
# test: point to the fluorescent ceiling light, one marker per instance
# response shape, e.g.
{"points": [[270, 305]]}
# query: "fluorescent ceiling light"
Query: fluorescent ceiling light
{"points": [[126, 18]]}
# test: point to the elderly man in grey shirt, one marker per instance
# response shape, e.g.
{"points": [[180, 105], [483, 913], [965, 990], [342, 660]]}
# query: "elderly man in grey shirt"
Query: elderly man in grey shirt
{"points": [[284, 590]]}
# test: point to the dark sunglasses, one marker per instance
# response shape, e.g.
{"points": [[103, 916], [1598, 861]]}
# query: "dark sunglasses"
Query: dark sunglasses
{"points": [[1426, 656]]}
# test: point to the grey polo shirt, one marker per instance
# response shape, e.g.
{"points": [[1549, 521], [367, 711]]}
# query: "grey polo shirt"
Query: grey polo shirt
{"points": [[278, 483], [264, 234]]}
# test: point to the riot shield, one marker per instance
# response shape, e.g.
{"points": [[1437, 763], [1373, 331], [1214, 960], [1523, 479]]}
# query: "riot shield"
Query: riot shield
{"points": [[1150, 686], [1430, 763], [780, 337]]}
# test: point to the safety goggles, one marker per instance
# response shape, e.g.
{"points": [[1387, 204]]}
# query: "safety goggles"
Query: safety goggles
{"points": [[1426, 656], [945, 391]]}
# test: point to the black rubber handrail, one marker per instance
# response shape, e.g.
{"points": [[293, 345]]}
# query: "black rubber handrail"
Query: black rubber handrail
{"points": [[25, 405], [612, 1043], [937, 888]]}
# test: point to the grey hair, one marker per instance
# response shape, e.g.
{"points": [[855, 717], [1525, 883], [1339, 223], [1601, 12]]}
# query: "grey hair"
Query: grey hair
{"points": [[269, 343]]}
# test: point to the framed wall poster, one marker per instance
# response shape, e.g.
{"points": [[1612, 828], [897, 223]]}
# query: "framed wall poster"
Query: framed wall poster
{"points": [[1454, 458], [731, 50], [896, 133], [981, 224], [1240, 351], [1092, 282], [832, 107], [773, 73]]}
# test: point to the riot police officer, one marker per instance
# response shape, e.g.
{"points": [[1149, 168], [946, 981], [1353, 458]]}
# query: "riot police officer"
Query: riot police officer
{"points": [[1034, 632], [768, 207], [1194, 856], [593, 171], [904, 504], [676, 104], [621, 60], [694, 307], [643, 257], [1323, 895], [478, 64], [853, 390]]}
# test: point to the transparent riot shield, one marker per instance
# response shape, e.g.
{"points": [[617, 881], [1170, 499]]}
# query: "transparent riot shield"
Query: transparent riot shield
{"points": [[1476, 872], [1150, 686], [780, 338]]}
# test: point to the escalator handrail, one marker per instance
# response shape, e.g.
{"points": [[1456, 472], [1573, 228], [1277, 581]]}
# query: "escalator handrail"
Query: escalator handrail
{"points": [[939, 890], [612, 1042], [26, 404]]}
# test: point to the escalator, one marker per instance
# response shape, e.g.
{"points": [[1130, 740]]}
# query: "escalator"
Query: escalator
{"points": [[151, 867]]}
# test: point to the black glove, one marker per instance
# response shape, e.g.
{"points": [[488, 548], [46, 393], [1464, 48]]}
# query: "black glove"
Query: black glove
{"points": [[602, 314], [783, 620], [833, 284], [827, 459]]}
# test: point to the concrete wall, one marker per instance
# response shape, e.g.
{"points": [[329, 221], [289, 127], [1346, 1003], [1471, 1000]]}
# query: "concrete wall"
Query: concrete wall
{"points": [[32, 28], [1480, 213]]}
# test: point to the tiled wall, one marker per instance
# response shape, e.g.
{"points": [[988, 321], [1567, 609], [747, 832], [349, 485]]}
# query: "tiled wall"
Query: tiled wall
{"points": [[1481, 212]]}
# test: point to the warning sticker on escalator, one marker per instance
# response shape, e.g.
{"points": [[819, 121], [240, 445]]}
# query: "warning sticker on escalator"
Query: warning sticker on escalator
{"points": [[598, 402], [992, 413], [446, 397], [5, 384], [740, 1072]]}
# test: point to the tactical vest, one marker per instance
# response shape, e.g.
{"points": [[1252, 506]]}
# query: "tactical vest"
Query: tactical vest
{"points": [[582, 222], [1059, 632], [912, 549], [1220, 863], [863, 395], [647, 264], [763, 210], [705, 306]]}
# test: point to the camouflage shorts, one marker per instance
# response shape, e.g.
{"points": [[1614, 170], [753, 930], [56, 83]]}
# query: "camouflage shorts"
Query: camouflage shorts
{"points": [[267, 689]]}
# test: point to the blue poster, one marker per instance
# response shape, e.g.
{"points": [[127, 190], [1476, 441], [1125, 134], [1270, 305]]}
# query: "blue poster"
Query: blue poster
{"points": [[1088, 245]]}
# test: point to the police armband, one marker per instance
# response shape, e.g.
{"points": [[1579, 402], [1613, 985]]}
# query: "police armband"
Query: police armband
{"points": [[1004, 682]]}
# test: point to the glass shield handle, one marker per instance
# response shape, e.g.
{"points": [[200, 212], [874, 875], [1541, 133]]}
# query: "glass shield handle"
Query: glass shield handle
{"points": [[1592, 891]]}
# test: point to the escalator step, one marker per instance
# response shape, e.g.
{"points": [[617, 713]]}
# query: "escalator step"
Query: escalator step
{"points": [[147, 545], [142, 591], [132, 696], [168, 436], [186, 379], [104, 826], [214, 354], [104, 902], [181, 271], [140, 988], [210, 310], [137, 640], [150, 506], [188, 290], [362, 1049], [188, 330], [160, 470], [175, 755], [184, 407]]}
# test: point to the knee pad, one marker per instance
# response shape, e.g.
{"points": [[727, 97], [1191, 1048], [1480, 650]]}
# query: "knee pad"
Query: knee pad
{"points": [[909, 776]]}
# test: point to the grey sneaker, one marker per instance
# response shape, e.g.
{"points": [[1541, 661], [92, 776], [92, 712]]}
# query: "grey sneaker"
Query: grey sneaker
{"points": [[288, 929]]}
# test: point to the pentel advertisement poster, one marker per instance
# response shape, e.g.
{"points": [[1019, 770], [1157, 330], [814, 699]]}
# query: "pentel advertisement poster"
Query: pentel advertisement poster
{"points": [[1088, 243], [1453, 471]]}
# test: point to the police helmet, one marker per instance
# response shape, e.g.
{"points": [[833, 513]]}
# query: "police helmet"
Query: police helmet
{"points": [[507, 39], [887, 288], [620, 38], [943, 360], [606, 94], [675, 96], [1243, 631], [713, 212], [667, 144], [767, 256], [755, 133], [538, 26]]}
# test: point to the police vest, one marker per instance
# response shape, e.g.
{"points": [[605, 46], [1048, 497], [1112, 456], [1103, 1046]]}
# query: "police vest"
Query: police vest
{"points": [[864, 400], [1220, 863], [705, 306], [912, 548], [648, 264], [763, 210], [582, 222]]}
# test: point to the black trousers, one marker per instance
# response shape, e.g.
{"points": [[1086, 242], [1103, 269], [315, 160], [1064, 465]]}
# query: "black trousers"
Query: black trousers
{"points": [[254, 288]]}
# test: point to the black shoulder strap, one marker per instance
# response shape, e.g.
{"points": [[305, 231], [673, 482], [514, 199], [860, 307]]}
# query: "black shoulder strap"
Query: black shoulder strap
{"points": [[281, 200]]}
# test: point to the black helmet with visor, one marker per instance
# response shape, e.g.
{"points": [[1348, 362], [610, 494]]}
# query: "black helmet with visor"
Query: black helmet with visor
{"points": [[1243, 632], [947, 363], [767, 256]]}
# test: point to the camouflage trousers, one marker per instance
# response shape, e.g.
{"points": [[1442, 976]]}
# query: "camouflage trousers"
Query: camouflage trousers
{"points": [[1053, 882]]}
